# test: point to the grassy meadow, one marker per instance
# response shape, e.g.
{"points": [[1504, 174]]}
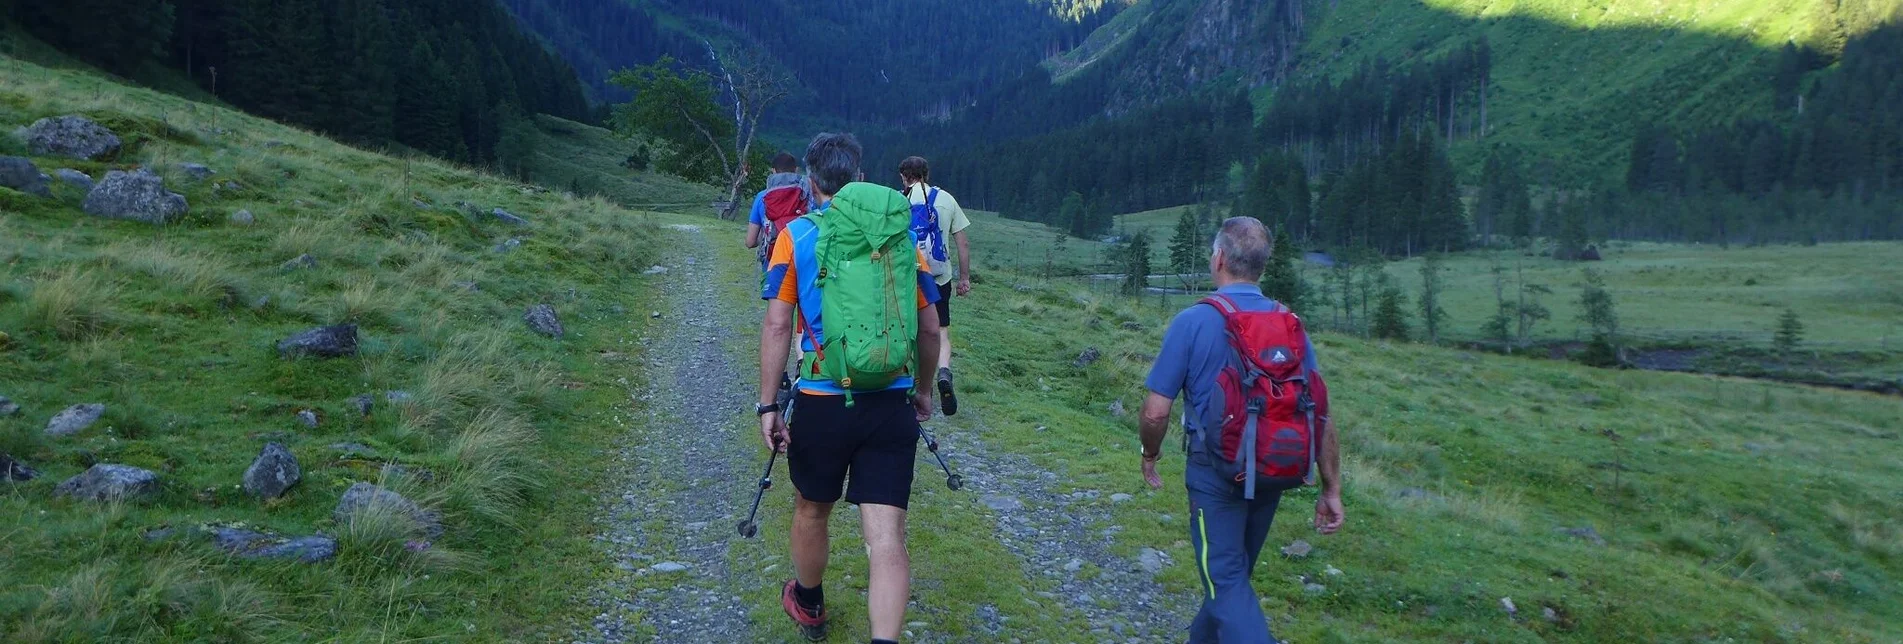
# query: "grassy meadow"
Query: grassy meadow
{"points": [[173, 329], [1730, 510]]}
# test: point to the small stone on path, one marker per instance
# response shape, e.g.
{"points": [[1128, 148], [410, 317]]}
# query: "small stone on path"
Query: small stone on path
{"points": [[655, 270], [669, 566], [1002, 503]]}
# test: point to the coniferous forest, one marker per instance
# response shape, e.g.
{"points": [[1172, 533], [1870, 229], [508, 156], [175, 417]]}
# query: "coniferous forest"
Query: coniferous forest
{"points": [[440, 76]]}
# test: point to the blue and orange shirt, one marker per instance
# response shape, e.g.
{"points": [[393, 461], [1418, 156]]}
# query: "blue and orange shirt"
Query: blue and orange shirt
{"points": [[790, 278]]}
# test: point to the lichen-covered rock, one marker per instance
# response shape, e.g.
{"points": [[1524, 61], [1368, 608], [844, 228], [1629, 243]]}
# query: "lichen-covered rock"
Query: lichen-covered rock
{"points": [[138, 195], [322, 342], [109, 482], [543, 320], [364, 497], [74, 419], [70, 136], [273, 473]]}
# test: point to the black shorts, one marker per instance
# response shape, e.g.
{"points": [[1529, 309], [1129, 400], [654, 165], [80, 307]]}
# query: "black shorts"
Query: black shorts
{"points": [[875, 440], [944, 305]]}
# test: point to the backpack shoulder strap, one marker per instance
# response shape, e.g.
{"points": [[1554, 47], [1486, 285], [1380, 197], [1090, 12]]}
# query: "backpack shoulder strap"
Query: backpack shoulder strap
{"points": [[1227, 307], [931, 198]]}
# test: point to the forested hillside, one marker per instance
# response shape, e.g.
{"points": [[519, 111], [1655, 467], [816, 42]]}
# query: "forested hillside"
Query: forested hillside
{"points": [[445, 77], [858, 61]]}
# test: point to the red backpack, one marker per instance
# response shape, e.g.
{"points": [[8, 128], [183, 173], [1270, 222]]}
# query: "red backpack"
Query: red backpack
{"points": [[783, 205], [1268, 401]]}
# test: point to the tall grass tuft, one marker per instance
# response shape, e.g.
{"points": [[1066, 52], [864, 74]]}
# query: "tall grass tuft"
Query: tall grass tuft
{"points": [[72, 305], [203, 277], [157, 599], [489, 467]]}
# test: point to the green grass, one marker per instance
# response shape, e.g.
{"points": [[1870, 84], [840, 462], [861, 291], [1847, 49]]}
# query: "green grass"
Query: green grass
{"points": [[1571, 79], [1732, 509], [173, 328], [572, 155], [1849, 296]]}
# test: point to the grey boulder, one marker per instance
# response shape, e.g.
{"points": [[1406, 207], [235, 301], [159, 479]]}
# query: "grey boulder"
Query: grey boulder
{"points": [[109, 482], [542, 319], [298, 263], [20, 174], [243, 218], [364, 497], [138, 195], [322, 342], [75, 419], [196, 171], [7, 407], [70, 136], [13, 471], [509, 217], [258, 545], [363, 404], [75, 178], [273, 473], [1088, 357]]}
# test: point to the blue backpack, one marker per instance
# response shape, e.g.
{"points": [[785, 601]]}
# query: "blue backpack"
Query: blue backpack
{"points": [[931, 240]]}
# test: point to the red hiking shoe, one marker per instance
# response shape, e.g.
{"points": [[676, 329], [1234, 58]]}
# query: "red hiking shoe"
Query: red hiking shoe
{"points": [[812, 623]]}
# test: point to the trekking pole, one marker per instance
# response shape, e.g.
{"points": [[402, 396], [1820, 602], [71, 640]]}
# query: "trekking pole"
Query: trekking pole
{"points": [[750, 527], [953, 481]]}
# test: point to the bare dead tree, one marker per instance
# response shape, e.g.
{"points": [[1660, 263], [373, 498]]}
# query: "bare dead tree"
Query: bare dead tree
{"points": [[753, 85]]}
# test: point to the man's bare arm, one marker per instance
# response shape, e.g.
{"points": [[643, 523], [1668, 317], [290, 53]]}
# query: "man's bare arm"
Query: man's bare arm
{"points": [[775, 339], [927, 343], [964, 255], [1154, 422], [1330, 459], [753, 235]]}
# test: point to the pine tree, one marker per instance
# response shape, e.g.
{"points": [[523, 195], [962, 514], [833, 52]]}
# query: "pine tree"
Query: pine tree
{"points": [[1279, 278], [1187, 247], [1390, 314], [1136, 263], [1073, 214], [1597, 313], [1432, 315], [1790, 331]]}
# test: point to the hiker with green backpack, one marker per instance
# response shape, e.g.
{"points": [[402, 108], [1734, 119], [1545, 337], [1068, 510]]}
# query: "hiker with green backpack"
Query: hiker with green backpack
{"points": [[850, 276]]}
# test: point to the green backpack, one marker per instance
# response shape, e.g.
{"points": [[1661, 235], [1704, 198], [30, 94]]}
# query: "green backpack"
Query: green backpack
{"points": [[868, 278]]}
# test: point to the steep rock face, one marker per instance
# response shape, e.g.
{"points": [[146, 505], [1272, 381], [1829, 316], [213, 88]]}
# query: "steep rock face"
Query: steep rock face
{"points": [[1192, 42]]}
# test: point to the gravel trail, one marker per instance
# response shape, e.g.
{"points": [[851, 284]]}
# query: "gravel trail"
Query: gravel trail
{"points": [[682, 470]]}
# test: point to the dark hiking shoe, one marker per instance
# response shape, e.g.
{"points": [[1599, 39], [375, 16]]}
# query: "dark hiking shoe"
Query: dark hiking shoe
{"points": [[947, 399], [812, 622]]}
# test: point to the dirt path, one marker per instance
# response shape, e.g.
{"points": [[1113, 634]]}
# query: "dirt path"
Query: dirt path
{"points": [[1067, 539], [683, 467]]}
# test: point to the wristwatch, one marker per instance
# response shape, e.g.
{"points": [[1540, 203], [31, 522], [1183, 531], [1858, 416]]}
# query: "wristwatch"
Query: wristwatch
{"points": [[762, 410]]}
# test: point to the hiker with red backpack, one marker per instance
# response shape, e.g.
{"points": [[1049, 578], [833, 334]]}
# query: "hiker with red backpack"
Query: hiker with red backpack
{"points": [[938, 223], [1256, 425], [784, 200], [851, 274]]}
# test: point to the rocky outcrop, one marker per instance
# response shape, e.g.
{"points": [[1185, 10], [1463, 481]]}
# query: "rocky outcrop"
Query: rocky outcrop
{"points": [[138, 195], [70, 136], [20, 174], [74, 419], [109, 482], [509, 217], [197, 171], [273, 473], [322, 342]]}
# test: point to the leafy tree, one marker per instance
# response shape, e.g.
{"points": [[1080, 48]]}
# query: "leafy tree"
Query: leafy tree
{"points": [[1280, 281], [1432, 315], [1135, 257], [1390, 314], [682, 108], [1790, 331]]}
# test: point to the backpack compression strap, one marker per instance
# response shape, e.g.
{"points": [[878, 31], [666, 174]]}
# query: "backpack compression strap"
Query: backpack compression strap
{"points": [[1245, 452]]}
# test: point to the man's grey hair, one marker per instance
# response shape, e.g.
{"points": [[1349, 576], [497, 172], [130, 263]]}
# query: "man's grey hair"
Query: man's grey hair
{"points": [[832, 161], [1245, 244]]}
